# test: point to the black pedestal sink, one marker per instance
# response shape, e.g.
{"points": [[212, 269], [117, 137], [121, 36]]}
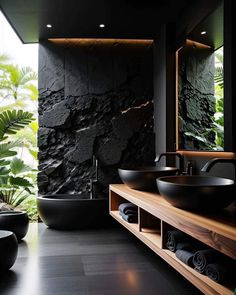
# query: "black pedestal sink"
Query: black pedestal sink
{"points": [[197, 193], [144, 178]]}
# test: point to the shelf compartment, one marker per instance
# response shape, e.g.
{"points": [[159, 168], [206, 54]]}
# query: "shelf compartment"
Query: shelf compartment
{"points": [[150, 227], [133, 227], [165, 228], [115, 201], [199, 280]]}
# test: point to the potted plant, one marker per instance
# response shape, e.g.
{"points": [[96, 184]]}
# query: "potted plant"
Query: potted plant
{"points": [[15, 182]]}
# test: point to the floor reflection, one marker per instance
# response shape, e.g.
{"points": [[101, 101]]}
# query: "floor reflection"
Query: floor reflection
{"points": [[89, 262]]}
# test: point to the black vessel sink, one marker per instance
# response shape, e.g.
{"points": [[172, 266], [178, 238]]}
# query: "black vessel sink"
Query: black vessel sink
{"points": [[144, 178], [197, 193]]}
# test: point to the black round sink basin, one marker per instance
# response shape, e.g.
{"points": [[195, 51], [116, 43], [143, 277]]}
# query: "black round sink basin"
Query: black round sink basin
{"points": [[144, 178], [197, 193]]}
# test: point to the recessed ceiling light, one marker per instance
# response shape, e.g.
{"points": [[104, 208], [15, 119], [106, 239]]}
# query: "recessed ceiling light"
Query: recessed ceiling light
{"points": [[203, 32], [101, 26], [48, 25]]}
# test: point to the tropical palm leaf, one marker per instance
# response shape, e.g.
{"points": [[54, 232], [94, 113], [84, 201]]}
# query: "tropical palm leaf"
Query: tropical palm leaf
{"points": [[11, 195], [4, 171], [34, 153], [17, 201], [4, 162], [26, 75], [12, 120], [33, 91], [5, 151], [219, 76], [16, 79], [34, 126], [3, 181], [19, 182], [18, 166]]}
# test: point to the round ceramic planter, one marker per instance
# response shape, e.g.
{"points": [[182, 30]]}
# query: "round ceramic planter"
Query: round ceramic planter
{"points": [[8, 249], [15, 221]]}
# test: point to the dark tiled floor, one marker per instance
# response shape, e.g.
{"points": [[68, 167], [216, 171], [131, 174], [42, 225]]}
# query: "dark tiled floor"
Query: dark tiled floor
{"points": [[91, 262]]}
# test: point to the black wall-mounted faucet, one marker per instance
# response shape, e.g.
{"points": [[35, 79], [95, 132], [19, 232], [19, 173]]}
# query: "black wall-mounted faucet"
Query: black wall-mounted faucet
{"points": [[181, 159], [207, 167], [93, 181], [95, 165]]}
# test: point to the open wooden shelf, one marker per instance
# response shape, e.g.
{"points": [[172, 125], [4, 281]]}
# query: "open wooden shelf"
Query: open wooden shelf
{"points": [[155, 216], [147, 237], [131, 226], [201, 278]]}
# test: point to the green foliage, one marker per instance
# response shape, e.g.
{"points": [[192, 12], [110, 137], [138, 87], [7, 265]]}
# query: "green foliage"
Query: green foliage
{"points": [[218, 119], [15, 187], [5, 151], [18, 134], [4, 171], [16, 81], [12, 120], [18, 166], [29, 205]]}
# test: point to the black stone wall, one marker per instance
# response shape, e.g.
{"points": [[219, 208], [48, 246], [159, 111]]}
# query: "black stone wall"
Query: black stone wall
{"points": [[95, 99], [196, 102]]}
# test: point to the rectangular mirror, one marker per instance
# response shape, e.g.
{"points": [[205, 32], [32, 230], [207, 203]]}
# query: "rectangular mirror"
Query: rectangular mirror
{"points": [[200, 87]]}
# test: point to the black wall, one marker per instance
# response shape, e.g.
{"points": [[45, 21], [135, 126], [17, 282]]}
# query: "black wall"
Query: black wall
{"points": [[95, 99], [196, 101]]}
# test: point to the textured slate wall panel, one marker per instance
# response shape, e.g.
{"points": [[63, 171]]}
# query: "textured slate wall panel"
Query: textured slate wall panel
{"points": [[196, 97], [95, 99]]}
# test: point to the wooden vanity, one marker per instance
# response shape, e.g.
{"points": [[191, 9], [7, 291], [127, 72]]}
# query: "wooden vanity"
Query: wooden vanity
{"points": [[156, 217]]}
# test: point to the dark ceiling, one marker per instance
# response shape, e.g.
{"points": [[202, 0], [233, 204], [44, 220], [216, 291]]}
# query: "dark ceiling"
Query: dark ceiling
{"points": [[213, 24], [123, 19], [81, 18]]}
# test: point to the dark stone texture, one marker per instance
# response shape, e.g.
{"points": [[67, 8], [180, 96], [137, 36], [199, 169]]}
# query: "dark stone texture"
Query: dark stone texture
{"points": [[110, 151], [76, 72], [58, 116], [42, 180], [104, 109], [84, 145], [52, 167], [131, 120], [51, 68], [100, 68], [196, 102], [44, 136]]}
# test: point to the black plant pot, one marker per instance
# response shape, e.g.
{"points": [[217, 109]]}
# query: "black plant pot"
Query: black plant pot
{"points": [[8, 249], [15, 221]]}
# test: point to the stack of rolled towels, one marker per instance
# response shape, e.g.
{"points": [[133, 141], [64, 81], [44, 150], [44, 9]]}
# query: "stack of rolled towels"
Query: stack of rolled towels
{"points": [[129, 212], [198, 256]]}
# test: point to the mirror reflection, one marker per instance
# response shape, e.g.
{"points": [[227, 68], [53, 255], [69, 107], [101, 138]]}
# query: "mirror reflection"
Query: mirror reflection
{"points": [[201, 87]]}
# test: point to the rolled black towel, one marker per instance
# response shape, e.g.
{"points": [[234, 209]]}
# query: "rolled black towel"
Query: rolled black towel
{"points": [[217, 272], [131, 211], [127, 206], [185, 256], [203, 257], [188, 246], [131, 218], [175, 237]]}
